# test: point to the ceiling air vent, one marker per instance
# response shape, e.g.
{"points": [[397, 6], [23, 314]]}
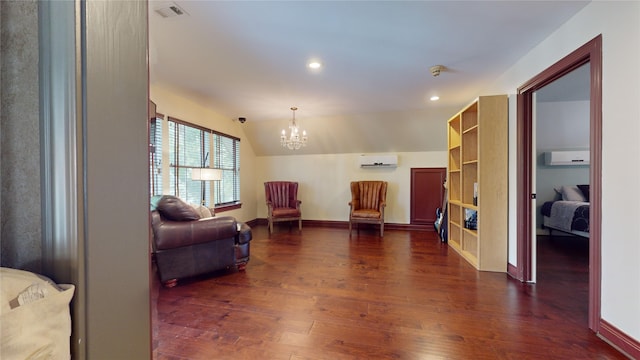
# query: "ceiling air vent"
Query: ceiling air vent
{"points": [[170, 10]]}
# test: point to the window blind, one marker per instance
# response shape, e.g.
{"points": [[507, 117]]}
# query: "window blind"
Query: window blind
{"points": [[191, 146]]}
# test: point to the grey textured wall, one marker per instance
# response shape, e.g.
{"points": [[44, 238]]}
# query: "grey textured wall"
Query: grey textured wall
{"points": [[20, 214]]}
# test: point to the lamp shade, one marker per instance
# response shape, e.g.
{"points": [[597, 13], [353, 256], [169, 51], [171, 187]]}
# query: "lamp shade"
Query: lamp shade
{"points": [[206, 174]]}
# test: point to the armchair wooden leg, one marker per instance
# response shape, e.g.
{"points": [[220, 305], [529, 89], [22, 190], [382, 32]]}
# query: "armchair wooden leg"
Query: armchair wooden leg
{"points": [[299, 224]]}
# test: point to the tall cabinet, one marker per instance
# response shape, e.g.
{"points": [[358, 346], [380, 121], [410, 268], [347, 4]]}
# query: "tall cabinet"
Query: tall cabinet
{"points": [[478, 188]]}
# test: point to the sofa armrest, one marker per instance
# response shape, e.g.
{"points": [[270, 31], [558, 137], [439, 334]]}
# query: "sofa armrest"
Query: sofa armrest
{"points": [[244, 234], [173, 234]]}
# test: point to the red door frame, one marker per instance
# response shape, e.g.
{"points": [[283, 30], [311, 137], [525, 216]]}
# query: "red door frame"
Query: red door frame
{"points": [[591, 53]]}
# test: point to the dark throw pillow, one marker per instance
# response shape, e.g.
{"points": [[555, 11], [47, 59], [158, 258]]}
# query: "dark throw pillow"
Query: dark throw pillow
{"points": [[585, 191], [175, 209]]}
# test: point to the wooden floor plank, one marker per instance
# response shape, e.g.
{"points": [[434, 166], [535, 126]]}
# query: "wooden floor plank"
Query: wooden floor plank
{"points": [[320, 294]]}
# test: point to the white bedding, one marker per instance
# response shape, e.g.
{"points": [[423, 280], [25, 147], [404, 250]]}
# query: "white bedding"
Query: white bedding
{"points": [[35, 321], [562, 214]]}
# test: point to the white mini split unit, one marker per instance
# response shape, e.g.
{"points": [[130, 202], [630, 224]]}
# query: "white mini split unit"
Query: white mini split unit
{"points": [[378, 161], [554, 158]]}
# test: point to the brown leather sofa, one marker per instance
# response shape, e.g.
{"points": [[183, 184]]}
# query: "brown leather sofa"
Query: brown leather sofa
{"points": [[185, 245]]}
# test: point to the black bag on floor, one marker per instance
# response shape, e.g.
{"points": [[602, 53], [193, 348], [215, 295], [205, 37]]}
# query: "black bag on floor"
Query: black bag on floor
{"points": [[444, 233], [440, 224]]}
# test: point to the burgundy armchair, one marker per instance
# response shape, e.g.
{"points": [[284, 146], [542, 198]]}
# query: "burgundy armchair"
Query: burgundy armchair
{"points": [[368, 199], [282, 202]]}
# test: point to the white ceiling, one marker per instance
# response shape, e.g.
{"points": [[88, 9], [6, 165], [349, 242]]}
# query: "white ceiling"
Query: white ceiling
{"points": [[248, 59]]}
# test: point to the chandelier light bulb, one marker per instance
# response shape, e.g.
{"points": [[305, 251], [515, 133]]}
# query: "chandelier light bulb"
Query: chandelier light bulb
{"points": [[293, 141]]}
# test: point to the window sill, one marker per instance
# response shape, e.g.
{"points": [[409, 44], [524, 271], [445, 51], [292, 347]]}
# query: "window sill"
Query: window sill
{"points": [[227, 207]]}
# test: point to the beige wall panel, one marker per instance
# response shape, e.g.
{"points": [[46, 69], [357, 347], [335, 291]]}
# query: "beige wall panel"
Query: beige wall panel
{"points": [[117, 200]]}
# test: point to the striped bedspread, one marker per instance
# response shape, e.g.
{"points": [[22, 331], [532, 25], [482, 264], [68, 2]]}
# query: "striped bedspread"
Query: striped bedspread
{"points": [[567, 215]]}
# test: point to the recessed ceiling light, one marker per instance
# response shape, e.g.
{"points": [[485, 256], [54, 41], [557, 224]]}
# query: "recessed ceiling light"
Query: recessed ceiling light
{"points": [[434, 98], [314, 65]]}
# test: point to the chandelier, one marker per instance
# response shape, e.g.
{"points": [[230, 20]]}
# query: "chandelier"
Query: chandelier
{"points": [[294, 141]]}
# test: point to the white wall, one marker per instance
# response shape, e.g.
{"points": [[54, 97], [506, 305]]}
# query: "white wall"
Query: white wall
{"points": [[562, 125], [173, 103], [324, 182], [618, 24]]}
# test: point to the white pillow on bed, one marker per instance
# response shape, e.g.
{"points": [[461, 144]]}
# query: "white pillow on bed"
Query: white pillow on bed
{"points": [[571, 193], [40, 327]]}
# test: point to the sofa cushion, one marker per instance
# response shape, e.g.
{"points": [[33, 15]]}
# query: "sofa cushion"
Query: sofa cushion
{"points": [[366, 214], [286, 212], [175, 209], [154, 202], [203, 211]]}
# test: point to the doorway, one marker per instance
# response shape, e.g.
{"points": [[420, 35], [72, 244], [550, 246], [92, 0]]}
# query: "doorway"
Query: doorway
{"points": [[560, 128], [590, 53], [427, 194]]}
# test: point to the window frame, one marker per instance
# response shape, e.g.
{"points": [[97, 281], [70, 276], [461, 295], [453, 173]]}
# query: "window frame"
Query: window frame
{"points": [[155, 154], [231, 173]]}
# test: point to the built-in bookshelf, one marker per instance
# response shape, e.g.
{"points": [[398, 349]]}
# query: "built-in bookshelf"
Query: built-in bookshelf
{"points": [[477, 178]]}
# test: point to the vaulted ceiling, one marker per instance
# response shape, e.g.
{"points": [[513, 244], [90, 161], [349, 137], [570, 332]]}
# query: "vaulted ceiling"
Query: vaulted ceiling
{"points": [[371, 95]]}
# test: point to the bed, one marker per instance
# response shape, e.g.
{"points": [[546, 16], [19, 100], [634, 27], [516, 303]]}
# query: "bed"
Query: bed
{"points": [[569, 214]]}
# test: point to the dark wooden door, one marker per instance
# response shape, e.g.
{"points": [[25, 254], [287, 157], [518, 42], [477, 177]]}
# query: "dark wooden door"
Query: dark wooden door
{"points": [[427, 193]]}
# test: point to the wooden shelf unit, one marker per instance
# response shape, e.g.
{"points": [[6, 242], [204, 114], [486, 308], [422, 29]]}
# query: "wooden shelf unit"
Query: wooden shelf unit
{"points": [[478, 165]]}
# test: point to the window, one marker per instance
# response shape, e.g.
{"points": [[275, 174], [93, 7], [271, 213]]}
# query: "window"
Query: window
{"points": [[155, 156], [227, 158], [190, 146], [188, 149]]}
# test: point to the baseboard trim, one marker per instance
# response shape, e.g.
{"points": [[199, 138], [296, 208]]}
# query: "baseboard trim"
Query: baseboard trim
{"points": [[411, 227], [254, 222], [618, 339], [345, 225]]}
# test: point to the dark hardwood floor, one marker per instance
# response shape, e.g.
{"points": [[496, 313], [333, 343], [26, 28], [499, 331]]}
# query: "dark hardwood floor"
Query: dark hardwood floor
{"points": [[320, 294]]}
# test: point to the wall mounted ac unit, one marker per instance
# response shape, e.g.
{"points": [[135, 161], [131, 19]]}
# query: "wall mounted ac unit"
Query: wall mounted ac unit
{"points": [[553, 158], [376, 161]]}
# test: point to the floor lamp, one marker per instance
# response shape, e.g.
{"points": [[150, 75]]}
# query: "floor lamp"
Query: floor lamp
{"points": [[205, 174]]}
